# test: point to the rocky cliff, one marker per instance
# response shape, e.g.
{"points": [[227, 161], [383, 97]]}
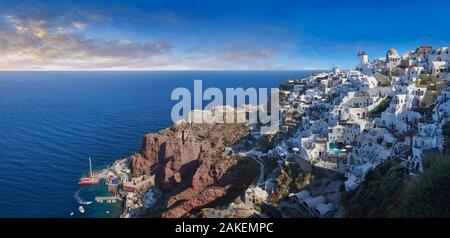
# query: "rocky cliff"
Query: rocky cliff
{"points": [[191, 168]]}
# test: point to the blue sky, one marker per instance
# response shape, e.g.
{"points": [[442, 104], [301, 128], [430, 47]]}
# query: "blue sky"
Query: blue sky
{"points": [[160, 35]]}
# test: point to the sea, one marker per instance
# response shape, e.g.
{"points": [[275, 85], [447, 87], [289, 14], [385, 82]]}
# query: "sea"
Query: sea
{"points": [[52, 122]]}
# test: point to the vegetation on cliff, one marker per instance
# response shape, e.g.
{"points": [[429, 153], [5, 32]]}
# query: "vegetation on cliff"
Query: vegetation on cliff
{"points": [[379, 194], [291, 178], [384, 104], [429, 195], [389, 192]]}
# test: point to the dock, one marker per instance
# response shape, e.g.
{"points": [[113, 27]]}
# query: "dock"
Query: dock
{"points": [[108, 199]]}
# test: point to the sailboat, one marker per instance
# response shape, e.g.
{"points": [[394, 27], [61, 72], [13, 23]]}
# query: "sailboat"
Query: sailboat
{"points": [[90, 180]]}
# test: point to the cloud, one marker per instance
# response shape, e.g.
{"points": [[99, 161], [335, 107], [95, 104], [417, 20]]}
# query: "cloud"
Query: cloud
{"points": [[48, 39], [79, 25], [32, 44]]}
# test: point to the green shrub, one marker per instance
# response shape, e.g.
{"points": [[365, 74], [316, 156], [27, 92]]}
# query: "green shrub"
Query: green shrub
{"points": [[429, 194], [446, 129], [342, 188], [378, 194], [291, 179], [388, 192], [384, 104], [384, 168]]}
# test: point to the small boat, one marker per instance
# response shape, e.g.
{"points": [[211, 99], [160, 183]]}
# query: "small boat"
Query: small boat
{"points": [[107, 212], [81, 209], [90, 180], [71, 214]]}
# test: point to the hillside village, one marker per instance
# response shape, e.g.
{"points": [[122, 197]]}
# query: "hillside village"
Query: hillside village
{"points": [[336, 126], [349, 122], [388, 107]]}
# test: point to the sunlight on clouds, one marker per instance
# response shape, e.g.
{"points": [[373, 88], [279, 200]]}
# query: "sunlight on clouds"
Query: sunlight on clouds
{"points": [[31, 43]]}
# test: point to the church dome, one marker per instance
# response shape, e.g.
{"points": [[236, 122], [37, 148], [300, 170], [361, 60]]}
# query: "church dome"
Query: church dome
{"points": [[391, 53]]}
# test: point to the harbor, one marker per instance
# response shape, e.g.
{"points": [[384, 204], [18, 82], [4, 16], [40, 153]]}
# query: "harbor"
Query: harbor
{"points": [[121, 188], [88, 198]]}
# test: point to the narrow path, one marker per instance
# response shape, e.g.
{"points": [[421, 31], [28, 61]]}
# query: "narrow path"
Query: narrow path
{"points": [[261, 169]]}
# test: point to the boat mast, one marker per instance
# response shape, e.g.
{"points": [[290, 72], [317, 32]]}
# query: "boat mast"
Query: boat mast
{"points": [[90, 166]]}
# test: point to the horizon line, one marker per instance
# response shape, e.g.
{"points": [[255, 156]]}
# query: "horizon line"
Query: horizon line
{"points": [[156, 70]]}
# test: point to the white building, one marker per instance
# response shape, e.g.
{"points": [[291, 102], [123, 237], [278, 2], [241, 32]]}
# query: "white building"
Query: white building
{"points": [[415, 72], [357, 99], [344, 133], [438, 67], [363, 58], [427, 137], [255, 195], [392, 58]]}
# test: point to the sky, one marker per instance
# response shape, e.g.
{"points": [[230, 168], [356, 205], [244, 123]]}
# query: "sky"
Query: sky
{"points": [[212, 35]]}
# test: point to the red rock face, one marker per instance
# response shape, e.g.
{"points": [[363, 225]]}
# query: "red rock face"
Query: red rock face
{"points": [[188, 165], [205, 196]]}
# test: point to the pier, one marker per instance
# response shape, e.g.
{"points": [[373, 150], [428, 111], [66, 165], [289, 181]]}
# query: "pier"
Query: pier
{"points": [[108, 199]]}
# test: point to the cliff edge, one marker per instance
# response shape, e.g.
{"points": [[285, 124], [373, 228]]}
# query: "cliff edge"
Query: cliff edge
{"points": [[191, 166]]}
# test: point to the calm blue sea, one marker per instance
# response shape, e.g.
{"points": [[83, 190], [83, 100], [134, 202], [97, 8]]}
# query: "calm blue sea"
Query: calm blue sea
{"points": [[51, 122]]}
